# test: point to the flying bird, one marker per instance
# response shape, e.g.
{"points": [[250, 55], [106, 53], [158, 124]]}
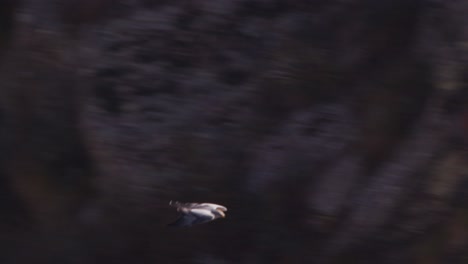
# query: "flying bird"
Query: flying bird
{"points": [[197, 213]]}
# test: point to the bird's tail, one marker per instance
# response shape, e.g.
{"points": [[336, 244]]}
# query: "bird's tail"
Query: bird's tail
{"points": [[171, 203]]}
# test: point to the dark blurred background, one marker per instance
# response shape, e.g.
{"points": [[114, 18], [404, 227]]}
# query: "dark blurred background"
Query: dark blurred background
{"points": [[334, 131]]}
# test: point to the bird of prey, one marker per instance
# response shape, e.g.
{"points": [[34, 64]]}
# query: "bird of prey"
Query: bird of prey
{"points": [[197, 213]]}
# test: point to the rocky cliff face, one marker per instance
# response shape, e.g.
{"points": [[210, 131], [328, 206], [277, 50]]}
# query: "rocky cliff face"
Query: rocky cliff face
{"points": [[334, 131]]}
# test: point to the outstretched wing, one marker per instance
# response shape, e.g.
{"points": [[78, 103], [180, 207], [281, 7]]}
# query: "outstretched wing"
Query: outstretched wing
{"points": [[195, 216], [183, 220], [190, 205], [211, 206], [201, 215]]}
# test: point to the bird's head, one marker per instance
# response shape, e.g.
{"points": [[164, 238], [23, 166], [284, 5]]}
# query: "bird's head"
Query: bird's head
{"points": [[220, 212]]}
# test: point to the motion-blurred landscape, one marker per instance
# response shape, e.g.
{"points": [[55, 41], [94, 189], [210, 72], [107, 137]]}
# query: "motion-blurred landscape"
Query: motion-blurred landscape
{"points": [[333, 131]]}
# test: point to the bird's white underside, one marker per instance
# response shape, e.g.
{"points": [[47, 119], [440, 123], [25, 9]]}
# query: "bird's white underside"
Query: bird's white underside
{"points": [[203, 212], [214, 206]]}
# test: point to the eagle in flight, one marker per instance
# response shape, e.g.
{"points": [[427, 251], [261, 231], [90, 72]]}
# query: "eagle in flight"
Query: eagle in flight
{"points": [[197, 213]]}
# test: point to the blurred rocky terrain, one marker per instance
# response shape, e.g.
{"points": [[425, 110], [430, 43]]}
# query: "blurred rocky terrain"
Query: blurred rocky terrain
{"points": [[334, 131]]}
